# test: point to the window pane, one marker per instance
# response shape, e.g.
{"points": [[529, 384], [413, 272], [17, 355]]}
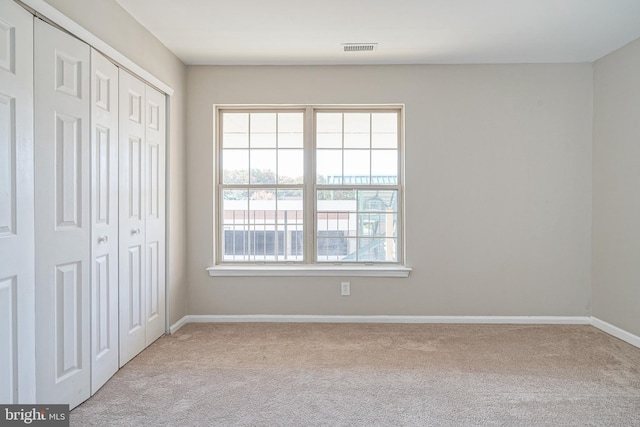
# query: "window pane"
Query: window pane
{"points": [[336, 224], [290, 122], [384, 140], [235, 166], [263, 130], [329, 122], [329, 140], [356, 166], [357, 130], [235, 128], [333, 195], [290, 130], [332, 248], [263, 140], [378, 200], [377, 250], [235, 140], [290, 207], [337, 215], [290, 140], [384, 130], [263, 166], [235, 244], [235, 204], [261, 201], [290, 244], [329, 130], [384, 163], [329, 166], [377, 224], [357, 122], [262, 217], [235, 122], [290, 224], [290, 166], [368, 224], [339, 221], [356, 140]]}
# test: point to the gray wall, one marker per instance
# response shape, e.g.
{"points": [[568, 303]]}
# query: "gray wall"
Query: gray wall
{"points": [[107, 20], [498, 189], [616, 189], [499, 173]]}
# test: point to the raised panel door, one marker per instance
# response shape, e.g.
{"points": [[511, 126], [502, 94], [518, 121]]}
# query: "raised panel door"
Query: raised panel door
{"points": [[155, 134], [104, 220], [132, 182], [17, 293], [62, 220]]}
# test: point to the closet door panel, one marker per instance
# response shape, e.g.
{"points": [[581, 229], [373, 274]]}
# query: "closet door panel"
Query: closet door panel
{"points": [[17, 316], [104, 220], [62, 221], [132, 261], [155, 214]]}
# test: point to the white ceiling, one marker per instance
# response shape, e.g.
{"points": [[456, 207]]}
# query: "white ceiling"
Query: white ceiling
{"points": [[255, 32]]}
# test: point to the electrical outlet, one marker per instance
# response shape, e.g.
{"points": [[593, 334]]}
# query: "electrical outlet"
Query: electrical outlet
{"points": [[345, 288]]}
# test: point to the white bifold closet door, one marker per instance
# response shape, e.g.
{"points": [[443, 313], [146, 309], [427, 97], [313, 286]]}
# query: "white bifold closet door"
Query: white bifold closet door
{"points": [[142, 215], [62, 220], [17, 316], [104, 220], [155, 311]]}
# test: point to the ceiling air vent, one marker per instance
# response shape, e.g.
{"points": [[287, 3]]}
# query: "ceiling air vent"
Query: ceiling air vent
{"points": [[359, 47]]}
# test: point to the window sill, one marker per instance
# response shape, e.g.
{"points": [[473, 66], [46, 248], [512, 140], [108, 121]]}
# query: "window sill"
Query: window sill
{"points": [[309, 271]]}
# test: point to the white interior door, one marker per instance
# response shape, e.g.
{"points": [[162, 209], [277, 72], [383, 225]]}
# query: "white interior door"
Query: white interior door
{"points": [[132, 200], [62, 221], [155, 135], [17, 337], [104, 220]]}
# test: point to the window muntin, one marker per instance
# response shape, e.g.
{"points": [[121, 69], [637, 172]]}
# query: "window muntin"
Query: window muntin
{"points": [[348, 196]]}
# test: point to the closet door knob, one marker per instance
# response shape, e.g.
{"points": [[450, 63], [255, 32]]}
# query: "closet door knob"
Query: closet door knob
{"points": [[103, 239], [135, 231]]}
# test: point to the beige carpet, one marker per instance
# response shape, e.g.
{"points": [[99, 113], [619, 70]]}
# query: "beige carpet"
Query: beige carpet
{"points": [[374, 375]]}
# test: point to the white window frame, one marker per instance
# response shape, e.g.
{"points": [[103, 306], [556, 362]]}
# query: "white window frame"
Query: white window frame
{"points": [[310, 266]]}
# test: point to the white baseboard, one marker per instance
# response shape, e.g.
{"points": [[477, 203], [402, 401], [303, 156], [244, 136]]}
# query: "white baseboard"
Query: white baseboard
{"points": [[616, 332], [179, 324], [521, 320], [285, 318]]}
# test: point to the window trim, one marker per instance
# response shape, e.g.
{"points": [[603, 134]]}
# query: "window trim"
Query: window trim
{"points": [[309, 270], [310, 266]]}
